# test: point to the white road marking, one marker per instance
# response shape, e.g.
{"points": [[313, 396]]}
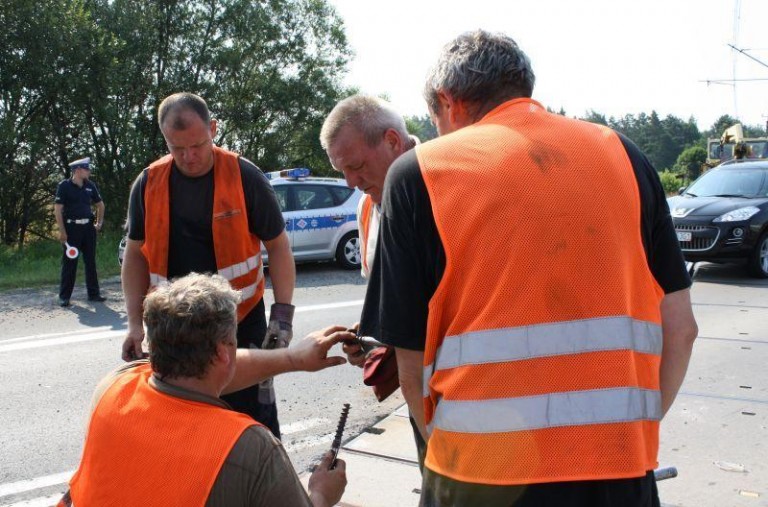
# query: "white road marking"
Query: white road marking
{"points": [[302, 425], [62, 340], [43, 501], [14, 488], [328, 306], [306, 443], [53, 335], [53, 339]]}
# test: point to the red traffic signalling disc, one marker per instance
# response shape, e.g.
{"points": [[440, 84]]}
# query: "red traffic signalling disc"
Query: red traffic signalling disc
{"points": [[72, 252]]}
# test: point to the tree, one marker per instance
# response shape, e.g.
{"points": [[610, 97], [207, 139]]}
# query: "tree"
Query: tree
{"points": [[421, 126], [661, 140], [593, 116], [85, 77], [690, 161], [41, 54]]}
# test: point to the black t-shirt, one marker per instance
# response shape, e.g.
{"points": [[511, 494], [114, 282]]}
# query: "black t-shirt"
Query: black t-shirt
{"points": [[77, 201], [410, 258], [191, 207]]}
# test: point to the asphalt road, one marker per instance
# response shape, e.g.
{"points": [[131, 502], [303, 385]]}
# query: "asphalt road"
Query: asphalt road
{"points": [[51, 358]]}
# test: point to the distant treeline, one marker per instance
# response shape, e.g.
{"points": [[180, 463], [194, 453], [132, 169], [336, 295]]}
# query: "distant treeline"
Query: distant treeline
{"points": [[84, 78]]}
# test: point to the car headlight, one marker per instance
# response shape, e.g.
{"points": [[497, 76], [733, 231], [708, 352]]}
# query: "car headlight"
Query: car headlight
{"points": [[738, 215]]}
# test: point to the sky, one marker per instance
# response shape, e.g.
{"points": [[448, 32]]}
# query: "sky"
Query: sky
{"points": [[615, 57]]}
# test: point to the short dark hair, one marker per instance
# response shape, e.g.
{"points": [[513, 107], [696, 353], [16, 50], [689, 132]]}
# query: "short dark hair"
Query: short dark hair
{"points": [[182, 101], [482, 69], [185, 321]]}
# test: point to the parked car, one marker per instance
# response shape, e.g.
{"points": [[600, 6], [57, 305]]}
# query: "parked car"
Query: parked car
{"points": [[320, 218], [723, 216]]}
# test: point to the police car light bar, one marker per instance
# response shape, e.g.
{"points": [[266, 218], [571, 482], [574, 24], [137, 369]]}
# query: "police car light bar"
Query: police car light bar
{"points": [[294, 174]]}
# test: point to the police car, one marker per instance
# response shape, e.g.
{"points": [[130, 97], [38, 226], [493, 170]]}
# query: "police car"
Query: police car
{"points": [[320, 217]]}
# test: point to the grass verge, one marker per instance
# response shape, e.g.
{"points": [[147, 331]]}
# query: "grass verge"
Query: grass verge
{"points": [[39, 263]]}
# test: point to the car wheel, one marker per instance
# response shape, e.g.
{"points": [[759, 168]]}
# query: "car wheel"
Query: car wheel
{"points": [[348, 251], [758, 263]]}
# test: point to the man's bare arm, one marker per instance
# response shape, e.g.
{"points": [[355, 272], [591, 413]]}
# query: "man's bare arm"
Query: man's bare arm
{"points": [[100, 215], [308, 354], [410, 367], [282, 269], [679, 330], [135, 277], [58, 212]]}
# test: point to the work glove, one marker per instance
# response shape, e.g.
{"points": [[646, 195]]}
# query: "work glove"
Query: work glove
{"points": [[280, 328]]}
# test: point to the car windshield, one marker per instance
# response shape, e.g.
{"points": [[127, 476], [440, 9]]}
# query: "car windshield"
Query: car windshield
{"points": [[729, 183]]}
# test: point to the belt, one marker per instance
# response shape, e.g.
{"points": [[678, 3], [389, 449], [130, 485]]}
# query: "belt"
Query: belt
{"points": [[79, 221]]}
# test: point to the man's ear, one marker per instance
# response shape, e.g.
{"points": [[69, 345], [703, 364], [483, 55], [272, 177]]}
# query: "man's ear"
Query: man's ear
{"points": [[222, 354], [393, 141], [444, 101], [455, 111], [213, 125]]}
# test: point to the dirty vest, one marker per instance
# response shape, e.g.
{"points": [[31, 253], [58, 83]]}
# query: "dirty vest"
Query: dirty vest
{"points": [[237, 250], [544, 335], [145, 447]]}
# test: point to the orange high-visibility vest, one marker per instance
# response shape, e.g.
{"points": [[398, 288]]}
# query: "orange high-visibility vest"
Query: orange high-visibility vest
{"points": [[237, 250], [145, 447], [364, 219], [544, 335]]}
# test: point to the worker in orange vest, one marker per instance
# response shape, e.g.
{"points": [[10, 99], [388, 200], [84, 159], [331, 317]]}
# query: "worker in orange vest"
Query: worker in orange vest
{"points": [[363, 135], [160, 435], [205, 209], [529, 277]]}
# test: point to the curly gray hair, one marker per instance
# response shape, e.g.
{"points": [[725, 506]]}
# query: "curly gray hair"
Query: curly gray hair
{"points": [[185, 321]]}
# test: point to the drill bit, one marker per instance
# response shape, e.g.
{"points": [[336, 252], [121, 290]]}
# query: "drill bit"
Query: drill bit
{"points": [[339, 432]]}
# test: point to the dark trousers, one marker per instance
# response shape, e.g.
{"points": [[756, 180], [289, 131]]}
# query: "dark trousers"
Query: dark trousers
{"points": [[250, 335], [441, 491], [421, 445], [82, 237]]}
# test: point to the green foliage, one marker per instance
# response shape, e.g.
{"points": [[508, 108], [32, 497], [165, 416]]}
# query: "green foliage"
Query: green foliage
{"points": [[85, 77], [661, 140], [421, 127], [39, 262], [671, 181], [691, 161], [593, 116]]}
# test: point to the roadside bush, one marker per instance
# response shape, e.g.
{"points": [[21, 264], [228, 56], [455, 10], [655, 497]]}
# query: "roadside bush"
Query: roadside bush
{"points": [[671, 181]]}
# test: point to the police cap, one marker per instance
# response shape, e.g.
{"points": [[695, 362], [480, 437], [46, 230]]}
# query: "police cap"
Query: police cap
{"points": [[83, 163]]}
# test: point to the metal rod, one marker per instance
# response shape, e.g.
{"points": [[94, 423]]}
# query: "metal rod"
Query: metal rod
{"points": [[339, 432]]}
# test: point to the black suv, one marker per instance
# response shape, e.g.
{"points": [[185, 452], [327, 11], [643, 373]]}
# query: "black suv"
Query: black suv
{"points": [[723, 216]]}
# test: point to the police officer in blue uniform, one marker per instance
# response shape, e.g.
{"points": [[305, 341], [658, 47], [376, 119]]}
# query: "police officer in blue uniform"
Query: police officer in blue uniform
{"points": [[78, 227]]}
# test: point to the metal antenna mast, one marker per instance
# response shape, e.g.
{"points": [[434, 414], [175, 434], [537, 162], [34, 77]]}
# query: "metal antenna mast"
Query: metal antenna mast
{"points": [[736, 21]]}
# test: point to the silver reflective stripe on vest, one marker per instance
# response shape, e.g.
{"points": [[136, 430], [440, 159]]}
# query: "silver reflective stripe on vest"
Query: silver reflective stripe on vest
{"points": [[575, 408], [553, 339], [249, 291], [155, 279], [241, 268]]}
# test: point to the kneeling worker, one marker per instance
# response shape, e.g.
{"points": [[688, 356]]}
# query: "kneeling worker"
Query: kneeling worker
{"points": [[160, 435]]}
